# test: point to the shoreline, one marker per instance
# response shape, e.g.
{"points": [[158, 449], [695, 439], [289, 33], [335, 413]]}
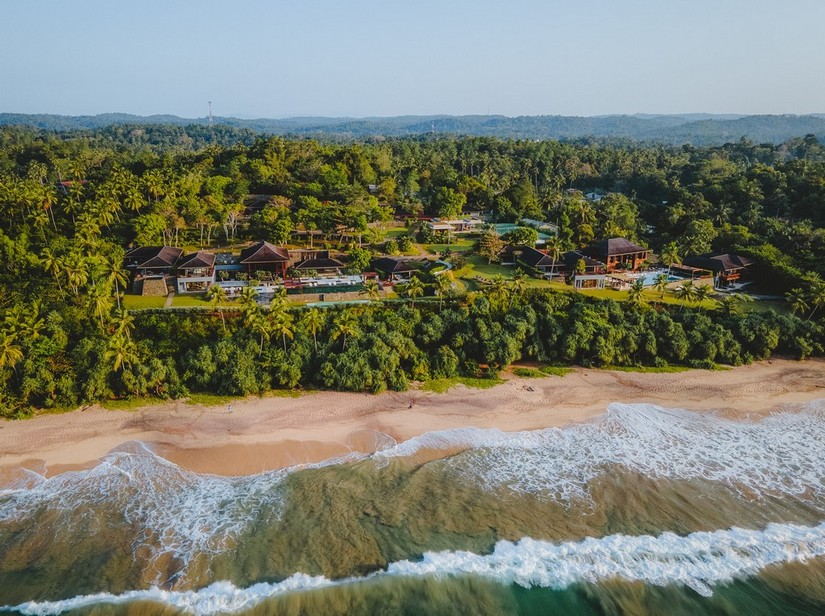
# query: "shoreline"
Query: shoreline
{"points": [[267, 433]]}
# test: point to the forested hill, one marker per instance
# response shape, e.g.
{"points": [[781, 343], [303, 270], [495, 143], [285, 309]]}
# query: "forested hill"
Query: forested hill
{"points": [[696, 129]]}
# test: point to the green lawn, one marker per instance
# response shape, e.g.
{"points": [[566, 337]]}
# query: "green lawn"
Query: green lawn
{"points": [[136, 302], [458, 246], [440, 386]]}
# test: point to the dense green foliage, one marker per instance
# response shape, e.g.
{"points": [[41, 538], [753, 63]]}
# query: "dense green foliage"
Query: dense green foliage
{"points": [[71, 203], [698, 129]]}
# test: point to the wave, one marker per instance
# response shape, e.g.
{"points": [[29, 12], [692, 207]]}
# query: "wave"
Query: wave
{"points": [[698, 561], [781, 454], [178, 512]]}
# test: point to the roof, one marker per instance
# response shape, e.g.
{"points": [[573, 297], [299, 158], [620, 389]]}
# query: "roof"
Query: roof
{"points": [[573, 257], [147, 257], [196, 260], [391, 265], [718, 263], [264, 252], [320, 264], [615, 246], [536, 258]]}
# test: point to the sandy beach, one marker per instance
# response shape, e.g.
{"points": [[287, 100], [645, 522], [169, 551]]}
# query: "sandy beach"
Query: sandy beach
{"points": [[272, 432]]}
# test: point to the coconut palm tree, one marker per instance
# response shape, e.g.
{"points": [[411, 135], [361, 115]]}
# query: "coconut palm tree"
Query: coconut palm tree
{"points": [[114, 275], [660, 283], [734, 303], [313, 321], [635, 293], [670, 255], [342, 327], [249, 305], [283, 325], [703, 292], [518, 284], [372, 290], [412, 289], [443, 285], [53, 265], [499, 290], [122, 352], [798, 300], [816, 296], [217, 296], [10, 353], [686, 292]]}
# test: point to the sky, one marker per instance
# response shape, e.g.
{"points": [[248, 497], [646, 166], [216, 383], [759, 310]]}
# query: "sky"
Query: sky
{"points": [[363, 58]]}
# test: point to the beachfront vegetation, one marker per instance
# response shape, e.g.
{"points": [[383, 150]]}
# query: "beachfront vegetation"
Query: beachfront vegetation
{"points": [[71, 203]]}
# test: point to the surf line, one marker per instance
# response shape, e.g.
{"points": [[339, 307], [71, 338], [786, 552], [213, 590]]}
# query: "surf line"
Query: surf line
{"points": [[698, 561]]}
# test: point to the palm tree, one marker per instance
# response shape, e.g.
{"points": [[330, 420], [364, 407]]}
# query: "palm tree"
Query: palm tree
{"points": [[518, 283], [113, 274], [371, 289], [670, 255], [124, 323], [249, 305], [412, 289], [75, 269], [100, 302], [635, 293], [816, 296], [313, 321], [342, 327], [217, 295], [10, 353], [703, 292], [553, 248], [261, 324], [686, 292], [660, 283], [798, 300], [443, 285], [734, 303], [121, 352], [282, 325], [53, 265], [499, 290]]}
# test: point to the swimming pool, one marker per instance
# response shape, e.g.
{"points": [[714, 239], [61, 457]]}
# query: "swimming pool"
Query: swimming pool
{"points": [[649, 278]]}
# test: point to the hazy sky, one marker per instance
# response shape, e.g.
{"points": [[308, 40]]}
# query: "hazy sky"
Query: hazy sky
{"points": [[359, 58]]}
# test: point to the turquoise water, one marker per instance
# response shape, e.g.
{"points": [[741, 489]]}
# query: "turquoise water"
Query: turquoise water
{"points": [[643, 511], [649, 278]]}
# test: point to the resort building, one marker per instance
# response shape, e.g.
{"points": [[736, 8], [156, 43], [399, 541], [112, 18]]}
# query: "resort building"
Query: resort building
{"points": [[726, 268], [395, 269], [195, 272], [318, 261], [151, 268], [263, 256], [618, 253]]}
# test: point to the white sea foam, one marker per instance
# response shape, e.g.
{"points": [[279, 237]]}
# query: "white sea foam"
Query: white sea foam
{"points": [[780, 454], [177, 511], [699, 561]]}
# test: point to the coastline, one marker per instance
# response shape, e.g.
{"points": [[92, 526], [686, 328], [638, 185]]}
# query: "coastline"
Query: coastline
{"points": [[273, 432]]}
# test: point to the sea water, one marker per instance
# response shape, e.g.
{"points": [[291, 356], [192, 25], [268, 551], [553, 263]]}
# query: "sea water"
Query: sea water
{"points": [[644, 510]]}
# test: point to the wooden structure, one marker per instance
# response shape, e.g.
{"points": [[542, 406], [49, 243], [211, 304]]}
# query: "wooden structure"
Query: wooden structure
{"points": [[618, 253], [267, 257], [196, 272], [726, 268]]}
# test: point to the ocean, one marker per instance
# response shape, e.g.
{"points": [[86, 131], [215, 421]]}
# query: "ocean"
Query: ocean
{"points": [[644, 510]]}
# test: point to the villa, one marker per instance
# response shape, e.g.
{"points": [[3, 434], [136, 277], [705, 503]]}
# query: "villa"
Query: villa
{"points": [[618, 253]]}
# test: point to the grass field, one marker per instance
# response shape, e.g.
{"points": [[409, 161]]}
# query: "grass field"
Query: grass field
{"points": [[439, 386], [136, 302]]}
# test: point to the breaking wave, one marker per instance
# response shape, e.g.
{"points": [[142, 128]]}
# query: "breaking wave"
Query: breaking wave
{"points": [[698, 561], [781, 454]]}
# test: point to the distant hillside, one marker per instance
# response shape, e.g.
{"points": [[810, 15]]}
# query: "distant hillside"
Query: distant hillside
{"points": [[698, 129]]}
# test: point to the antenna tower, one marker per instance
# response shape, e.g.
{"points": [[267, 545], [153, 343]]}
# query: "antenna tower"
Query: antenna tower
{"points": [[210, 115]]}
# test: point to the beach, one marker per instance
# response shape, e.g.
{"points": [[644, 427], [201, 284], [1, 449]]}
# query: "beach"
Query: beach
{"points": [[259, 434]]}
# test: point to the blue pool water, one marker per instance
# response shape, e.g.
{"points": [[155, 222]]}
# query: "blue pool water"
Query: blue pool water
{"points": [[649, 278]]}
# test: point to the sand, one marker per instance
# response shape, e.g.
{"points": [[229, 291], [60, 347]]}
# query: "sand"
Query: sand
{"points": [[273, 432]]}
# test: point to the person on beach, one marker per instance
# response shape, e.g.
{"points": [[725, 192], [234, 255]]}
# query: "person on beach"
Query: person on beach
{"points": [[229, 408]]}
